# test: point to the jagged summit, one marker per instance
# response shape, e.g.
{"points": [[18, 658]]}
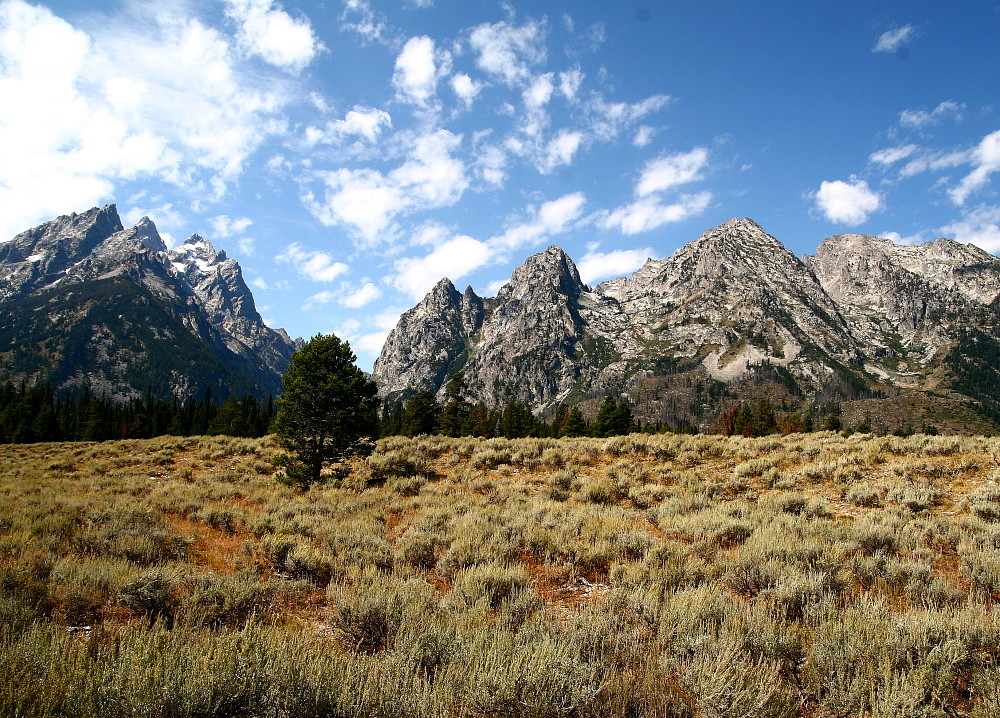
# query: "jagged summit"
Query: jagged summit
{"points": [[135, 313], [729, 305]]}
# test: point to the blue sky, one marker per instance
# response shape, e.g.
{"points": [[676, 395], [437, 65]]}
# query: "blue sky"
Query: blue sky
{"points": [[350, 153]]}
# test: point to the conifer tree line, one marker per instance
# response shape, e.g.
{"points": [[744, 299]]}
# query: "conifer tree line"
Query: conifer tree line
{"points": [[33, 414], [456, 416]]}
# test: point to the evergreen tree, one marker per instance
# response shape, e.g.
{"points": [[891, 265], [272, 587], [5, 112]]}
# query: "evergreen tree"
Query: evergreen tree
{"points": [[326, 411], [453, 420], [421, 414], [517, 421], [574, 425], [613, 418]]}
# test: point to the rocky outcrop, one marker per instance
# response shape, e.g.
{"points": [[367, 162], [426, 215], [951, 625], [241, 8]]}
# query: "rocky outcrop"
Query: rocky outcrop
{"points": [[721, 308], [85, 300], [904, 302]]}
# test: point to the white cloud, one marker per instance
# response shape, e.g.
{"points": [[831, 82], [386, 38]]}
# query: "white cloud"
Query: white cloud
{"points": [[317, 266], [608, 119], [652, 211], [224, 226], [495, 286], [986, 161], [667, 172], [465, 88], [569, 83], [980, 227], [507, 51], [897, 238], [596, 265], [346, 296], [368, 201], [429, 233], [431, 175], [418, 68], [643, 136], [370, 343], [318, 299], [365, 294], [272, 34], [247, 246], [935, 161], [892, 155], [917, 119], [893, 40], [359, 17], [491, 164], [540, 91], [162, 97], [365, 122], [551, 218], [259, 283], [847, 202], [560, 150], [453, 259]]}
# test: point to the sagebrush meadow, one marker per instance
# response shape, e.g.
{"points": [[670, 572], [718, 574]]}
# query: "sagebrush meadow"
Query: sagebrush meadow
{"points": [[668, 575]]}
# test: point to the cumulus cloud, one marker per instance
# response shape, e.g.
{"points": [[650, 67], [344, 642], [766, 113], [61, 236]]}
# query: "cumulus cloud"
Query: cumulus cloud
{"points": [[892, 40], [653, 211], [317, 266], [847, 202], [465, 88], [162, 97], [550, 218], [418, 68], [986, 161], [453, 258], [507, 51], [917, 119], [363, 122], [370, 343], [368, 201], [224, 226], [272, 34], [560, 150], [596, 266], [359, 17], [980, 226], [669, 171], [892, 155], [539, 92], [361, 296]]}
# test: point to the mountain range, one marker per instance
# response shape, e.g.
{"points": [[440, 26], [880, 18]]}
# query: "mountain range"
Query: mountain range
{"points": [[87, 302], [898, 335]]}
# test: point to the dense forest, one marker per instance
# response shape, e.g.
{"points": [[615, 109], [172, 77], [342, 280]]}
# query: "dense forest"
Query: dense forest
{"points": [[32, 414]]}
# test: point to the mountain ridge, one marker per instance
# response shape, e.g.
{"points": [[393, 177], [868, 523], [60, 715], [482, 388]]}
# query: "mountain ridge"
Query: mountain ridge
{"points": [[108, 302], [862, 316]]}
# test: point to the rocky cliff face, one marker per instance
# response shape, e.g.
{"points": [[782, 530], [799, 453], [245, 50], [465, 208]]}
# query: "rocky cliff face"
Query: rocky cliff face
{"points": [[85, 300], [861, 312]]}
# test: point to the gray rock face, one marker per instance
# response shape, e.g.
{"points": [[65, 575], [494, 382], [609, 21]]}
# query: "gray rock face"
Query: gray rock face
{"points": [[218, 289], [196, 294], [733, 300], [904, 302]]}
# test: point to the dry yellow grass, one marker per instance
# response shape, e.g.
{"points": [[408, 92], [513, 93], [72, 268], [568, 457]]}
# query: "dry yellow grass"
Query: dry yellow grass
{"points": [[813, 575]]}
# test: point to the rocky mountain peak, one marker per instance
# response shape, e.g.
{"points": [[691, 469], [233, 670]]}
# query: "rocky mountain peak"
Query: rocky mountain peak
{"points": [[199, 288], [150, 238], [548, 271]]}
